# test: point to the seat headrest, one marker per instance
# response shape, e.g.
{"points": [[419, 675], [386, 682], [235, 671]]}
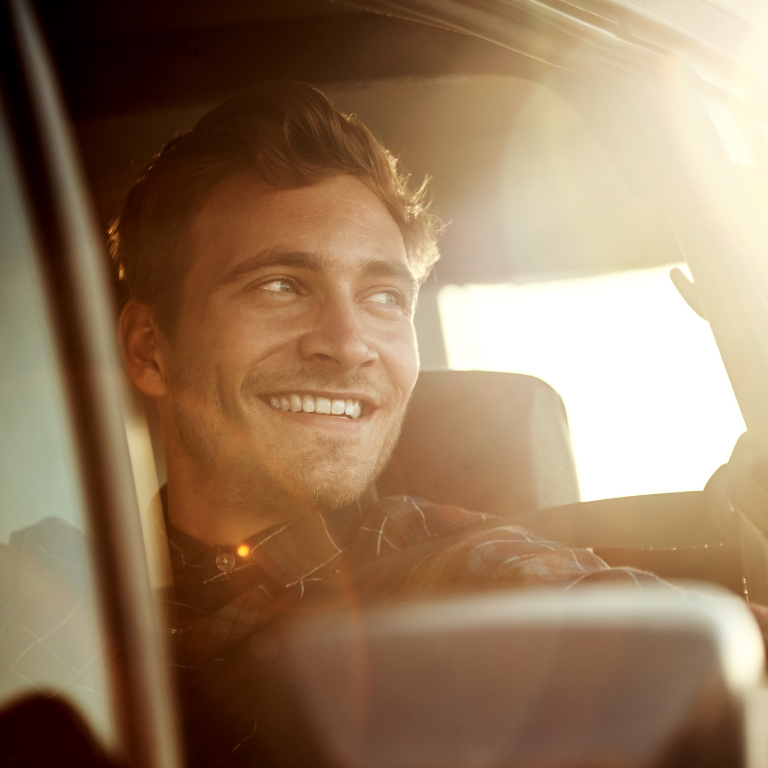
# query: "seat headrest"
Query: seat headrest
{"points": [[485, 441]]}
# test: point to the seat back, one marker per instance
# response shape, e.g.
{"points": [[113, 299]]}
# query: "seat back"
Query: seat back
{"points": [[486, 441]]}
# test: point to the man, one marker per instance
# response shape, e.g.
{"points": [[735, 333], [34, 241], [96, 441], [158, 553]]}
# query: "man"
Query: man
{"points": [[273, 256]]}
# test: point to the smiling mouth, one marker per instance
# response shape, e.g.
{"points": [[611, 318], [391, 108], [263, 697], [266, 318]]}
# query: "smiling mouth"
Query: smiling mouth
{"points": [[331, 406]]}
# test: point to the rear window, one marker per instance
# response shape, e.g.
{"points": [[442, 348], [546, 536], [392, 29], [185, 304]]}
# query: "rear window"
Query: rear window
{"points": [[649, 404]]}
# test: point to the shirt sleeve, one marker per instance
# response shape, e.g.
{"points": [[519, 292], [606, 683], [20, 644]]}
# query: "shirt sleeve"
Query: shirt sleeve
{"points": [[416, 550]]}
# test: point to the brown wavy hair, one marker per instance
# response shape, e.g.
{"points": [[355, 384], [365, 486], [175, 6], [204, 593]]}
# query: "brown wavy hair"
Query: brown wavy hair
{"points": [[291, 133]]}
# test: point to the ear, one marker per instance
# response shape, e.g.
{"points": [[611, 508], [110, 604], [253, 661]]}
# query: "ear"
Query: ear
{"points": [[140, 344]]}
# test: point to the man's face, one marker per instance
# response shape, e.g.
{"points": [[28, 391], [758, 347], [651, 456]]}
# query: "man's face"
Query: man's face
{"points": [[297, 301]]}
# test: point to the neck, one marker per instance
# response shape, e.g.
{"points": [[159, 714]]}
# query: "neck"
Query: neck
{"points": [[221, 505]]}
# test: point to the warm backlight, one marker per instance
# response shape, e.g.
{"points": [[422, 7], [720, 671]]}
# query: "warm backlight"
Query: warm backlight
{"points": [[649, 403]]}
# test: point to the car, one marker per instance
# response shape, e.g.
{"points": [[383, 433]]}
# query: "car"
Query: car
{"points": [[568, 141]]}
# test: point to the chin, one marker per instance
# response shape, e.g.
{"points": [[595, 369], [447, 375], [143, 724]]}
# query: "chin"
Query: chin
{"points": [[342, 476], [335, 487]]}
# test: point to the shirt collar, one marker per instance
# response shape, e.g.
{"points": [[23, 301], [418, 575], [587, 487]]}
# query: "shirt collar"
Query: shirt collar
{"points": [[284, 553]]}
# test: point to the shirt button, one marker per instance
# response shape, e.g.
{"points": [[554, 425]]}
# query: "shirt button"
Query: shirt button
{"points": [[225, 562]]}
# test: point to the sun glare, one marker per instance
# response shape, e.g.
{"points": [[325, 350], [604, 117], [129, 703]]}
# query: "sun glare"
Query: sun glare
{"points": [[649, 404]]}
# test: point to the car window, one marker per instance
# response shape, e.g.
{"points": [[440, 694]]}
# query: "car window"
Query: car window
{"points": [[650, 407], [649, 403], [52, 638]]}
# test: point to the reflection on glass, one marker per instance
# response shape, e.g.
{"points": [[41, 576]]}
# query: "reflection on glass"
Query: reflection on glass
{"points": [[51, 633]]}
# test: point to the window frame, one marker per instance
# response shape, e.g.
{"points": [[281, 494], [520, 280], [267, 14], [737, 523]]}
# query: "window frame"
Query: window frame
{"points": [[73, 266]]}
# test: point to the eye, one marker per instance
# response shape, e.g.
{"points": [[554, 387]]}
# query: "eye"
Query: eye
{"points": [[278, 286], [388, 298]]}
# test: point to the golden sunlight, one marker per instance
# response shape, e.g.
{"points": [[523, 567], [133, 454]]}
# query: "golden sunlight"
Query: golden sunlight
{"points": [[649, 404]]}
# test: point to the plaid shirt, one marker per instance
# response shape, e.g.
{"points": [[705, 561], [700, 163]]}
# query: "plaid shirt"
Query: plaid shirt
{"points": [[400, 549]]}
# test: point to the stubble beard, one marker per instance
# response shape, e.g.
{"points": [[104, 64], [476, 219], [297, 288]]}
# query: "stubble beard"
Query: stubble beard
{"points": [[329, 472], [343, 475]]}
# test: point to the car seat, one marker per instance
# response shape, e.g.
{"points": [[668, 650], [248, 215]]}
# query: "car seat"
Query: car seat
{"points": [[499, 443], [482, 440]]}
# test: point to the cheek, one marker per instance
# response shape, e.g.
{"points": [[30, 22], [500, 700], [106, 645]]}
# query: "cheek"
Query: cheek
{"points": [[402, 359], [253, 345], [247, 336], [220, 347]]}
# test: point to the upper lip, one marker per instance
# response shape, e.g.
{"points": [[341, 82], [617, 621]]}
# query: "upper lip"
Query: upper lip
{"points": [[364, 398]]}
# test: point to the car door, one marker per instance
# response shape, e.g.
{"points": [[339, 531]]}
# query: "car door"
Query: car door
{"points": [[83, 678]]}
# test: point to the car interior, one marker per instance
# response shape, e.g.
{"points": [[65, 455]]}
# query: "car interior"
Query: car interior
{"points": [[553, 154], [449, 106]]}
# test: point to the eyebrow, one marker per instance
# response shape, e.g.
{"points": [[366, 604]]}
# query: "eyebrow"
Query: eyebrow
{"points": [[319, 263]]}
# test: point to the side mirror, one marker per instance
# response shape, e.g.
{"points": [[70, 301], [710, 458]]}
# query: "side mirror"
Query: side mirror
{"points": [[599, 676]]}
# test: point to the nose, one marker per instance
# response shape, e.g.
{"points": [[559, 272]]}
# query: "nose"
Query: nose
{"points": [[335, 339]]}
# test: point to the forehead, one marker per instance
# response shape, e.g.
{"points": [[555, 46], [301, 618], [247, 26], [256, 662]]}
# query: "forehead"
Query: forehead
{"points": [[339, 218]]}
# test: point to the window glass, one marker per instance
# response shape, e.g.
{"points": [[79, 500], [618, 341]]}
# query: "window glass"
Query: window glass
{"points": [[649, 404], [554, 267], [52, 639]]}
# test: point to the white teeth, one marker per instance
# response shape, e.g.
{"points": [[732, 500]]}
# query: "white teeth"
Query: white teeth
{"points": [[295, 403]]}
